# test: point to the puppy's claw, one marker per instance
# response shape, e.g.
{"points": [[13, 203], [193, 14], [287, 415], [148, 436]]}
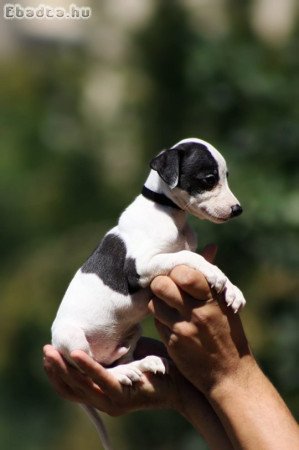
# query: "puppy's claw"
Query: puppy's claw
{"points": [[216, 279], [234, 298]]}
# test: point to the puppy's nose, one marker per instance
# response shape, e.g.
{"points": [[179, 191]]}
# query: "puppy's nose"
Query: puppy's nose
{"points": [[236, 210]]}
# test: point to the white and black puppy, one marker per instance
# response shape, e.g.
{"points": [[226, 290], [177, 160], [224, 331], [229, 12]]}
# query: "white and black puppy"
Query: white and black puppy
{"points": [[108, 296]]}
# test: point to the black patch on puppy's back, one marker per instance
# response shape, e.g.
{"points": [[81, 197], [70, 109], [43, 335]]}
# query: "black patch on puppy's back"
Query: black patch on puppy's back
{"points": [[132, 275], [110, 264]]}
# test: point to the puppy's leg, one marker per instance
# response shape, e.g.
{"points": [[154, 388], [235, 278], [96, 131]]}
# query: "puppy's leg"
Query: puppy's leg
{"points": [[67, 337], [162, 264], [128, 371]]}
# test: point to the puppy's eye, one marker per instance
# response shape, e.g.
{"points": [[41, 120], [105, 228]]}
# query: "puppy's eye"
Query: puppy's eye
{"points": [[208, 182]]}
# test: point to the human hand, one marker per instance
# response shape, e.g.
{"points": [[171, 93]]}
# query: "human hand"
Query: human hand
{"points": [[202, 335], [97, 387]]}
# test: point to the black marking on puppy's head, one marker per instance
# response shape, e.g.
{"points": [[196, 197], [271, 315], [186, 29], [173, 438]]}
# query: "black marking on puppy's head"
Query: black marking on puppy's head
{"points": [[199, 170], [189, 166]]}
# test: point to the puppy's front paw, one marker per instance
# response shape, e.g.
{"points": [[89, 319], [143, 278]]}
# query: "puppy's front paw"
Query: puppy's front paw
{"points": [[234, 297], [215, 278]]}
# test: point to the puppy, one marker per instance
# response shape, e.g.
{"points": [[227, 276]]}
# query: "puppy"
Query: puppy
{"points": [[108, 296]]}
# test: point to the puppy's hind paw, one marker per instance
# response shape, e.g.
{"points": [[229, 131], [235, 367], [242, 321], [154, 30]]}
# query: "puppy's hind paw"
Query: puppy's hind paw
{"points": [[126, 374], [153, 364]]}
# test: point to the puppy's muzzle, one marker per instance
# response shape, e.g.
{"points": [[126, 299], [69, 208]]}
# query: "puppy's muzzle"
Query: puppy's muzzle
{"points": [[236, 210]]}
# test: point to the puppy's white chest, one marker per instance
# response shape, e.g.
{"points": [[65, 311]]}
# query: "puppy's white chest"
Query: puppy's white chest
{"points": [[190, 238]]}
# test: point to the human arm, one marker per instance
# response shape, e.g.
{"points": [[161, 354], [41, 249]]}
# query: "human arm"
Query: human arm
{"points": [[207, 343]]}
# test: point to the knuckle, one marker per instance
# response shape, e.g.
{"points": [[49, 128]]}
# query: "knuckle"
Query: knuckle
{"points": [[179, 330], [185, 275], [160, 285], [173, 341], [200, 317]]}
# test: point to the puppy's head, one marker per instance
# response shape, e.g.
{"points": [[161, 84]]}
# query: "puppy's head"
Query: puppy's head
{"points": [[195, 174]]}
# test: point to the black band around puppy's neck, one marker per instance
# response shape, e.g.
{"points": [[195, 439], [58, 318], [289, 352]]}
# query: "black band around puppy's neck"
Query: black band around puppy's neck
{"points": [[161, 199]]}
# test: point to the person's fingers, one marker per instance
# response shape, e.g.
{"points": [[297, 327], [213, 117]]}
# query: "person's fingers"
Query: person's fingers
{"points": [[165, 289], [62, 389], [193, 282], [58, 365], [70, 384], [47, 348], [78, 382], [165, 314], [54, 365], [102, 377], [55, 359], [210, 252], [164, 332]]}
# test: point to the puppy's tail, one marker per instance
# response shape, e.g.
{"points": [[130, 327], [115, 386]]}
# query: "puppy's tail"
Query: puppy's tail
{"points": [[100, 426]]}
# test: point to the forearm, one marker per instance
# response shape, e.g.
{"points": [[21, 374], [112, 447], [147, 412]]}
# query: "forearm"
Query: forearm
{"points": [[197, 410], [209, 336], [252, 412]]}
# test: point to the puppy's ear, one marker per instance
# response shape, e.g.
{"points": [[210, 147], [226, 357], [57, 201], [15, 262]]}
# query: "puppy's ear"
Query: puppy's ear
{"points": [[167, 165]]}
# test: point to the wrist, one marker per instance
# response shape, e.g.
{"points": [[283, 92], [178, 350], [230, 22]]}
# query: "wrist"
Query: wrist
{"points": [[187, 398], [239, 379], [182, 392], [196, 409]]}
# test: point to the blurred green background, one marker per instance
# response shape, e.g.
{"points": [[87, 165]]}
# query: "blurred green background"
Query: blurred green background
{"points": [[84, 105]]}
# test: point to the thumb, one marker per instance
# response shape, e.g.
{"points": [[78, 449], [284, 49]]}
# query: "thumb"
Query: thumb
{"points": [[209, 252]]}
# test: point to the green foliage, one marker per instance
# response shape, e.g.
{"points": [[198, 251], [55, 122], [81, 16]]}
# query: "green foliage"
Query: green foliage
{"points": [[66, 173]]}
